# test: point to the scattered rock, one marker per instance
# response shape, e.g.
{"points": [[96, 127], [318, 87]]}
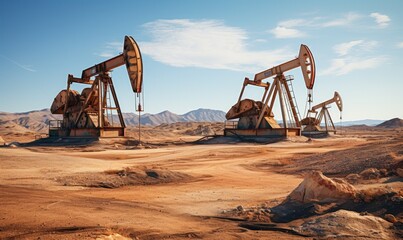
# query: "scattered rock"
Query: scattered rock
{"points": [[383, 172], [317, 187], [353, 178], [14, 144], [397, 199], [240, 208], [390, 218], [370, 173], [114, 236], [202, 130], [346, 225]]}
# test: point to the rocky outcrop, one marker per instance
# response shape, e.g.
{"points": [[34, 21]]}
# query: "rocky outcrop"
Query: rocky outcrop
{"points": [[317, 187], [346, 225]]}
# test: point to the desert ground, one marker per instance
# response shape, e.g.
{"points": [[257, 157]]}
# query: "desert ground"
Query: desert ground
{"points": [[174, 187]]}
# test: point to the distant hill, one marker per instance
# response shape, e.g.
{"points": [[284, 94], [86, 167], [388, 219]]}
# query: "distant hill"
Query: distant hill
{"points": [[199, 115], [392, 123], [367, 122], [37, 121], [32, 121], [204, 115]]}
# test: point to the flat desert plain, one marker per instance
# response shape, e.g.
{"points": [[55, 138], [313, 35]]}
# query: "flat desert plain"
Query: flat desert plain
{"points": [[173, 188]]}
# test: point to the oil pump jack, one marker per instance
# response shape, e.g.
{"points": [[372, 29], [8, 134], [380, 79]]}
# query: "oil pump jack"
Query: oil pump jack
{"points": [[256, 117], [312, 124], [91, 113]]}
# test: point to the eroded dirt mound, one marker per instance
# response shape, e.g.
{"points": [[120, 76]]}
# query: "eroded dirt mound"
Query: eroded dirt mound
{"points": [[124, 177], [317, 187], [380, 155], [346, 225], [328, 208]]}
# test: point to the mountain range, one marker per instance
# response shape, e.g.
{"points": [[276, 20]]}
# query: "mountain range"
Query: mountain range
{"points": [[37, 121], [199, 115]]}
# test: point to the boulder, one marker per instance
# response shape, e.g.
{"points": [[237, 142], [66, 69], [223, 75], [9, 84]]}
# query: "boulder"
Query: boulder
{"points": [[344, 224], [353, 178], [317, 187], [370, 173], [390, 218]]}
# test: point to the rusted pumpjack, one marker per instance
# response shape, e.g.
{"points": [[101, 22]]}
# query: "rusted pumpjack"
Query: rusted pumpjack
{"points": [[256, 117], [91, 113], [312, 124]]}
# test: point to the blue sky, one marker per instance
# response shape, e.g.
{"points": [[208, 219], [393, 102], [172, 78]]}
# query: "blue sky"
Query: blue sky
{"points": [[197, 53]]}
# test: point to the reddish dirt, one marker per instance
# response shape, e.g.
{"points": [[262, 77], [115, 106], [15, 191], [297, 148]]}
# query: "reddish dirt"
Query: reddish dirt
{"points": [[76, 192]]}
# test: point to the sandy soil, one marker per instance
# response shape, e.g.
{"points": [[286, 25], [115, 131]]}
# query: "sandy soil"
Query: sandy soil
{"points": [[109, 190]]}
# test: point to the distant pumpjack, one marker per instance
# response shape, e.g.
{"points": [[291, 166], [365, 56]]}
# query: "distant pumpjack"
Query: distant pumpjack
{"points": [[91, 113], [256, 118], [312, 124]]}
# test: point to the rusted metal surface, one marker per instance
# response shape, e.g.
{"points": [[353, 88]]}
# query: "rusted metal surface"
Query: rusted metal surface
{"points": [[246, 107], [258, 115], [305, 60], [313, 124], [61, 99], [91, 112], [134, 63]]}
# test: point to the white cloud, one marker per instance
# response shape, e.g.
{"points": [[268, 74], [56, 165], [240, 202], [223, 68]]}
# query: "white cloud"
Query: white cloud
{"points": [[208, 44], [353, 55], [283, 32], [111, 49], [348, 19], [400, 45], [343, 49], [342, 66], [380, 19], [288, 28], [25, 67], [290, 23], [106, 54]]}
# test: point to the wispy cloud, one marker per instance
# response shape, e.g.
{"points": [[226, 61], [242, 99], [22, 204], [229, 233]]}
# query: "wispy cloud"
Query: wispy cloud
{"points": [[342, 66], [297, 22], [358, 45], [353, 56], [400, 45], [23, 66], [381, 19], [289, 28], [111, 49], [298, 27], [283, 32], [106, 54], [346, 20], [207, 44]]}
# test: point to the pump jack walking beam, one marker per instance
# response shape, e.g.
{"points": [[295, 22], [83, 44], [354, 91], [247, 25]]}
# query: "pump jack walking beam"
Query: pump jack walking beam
{"points": [[307, 64]]}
